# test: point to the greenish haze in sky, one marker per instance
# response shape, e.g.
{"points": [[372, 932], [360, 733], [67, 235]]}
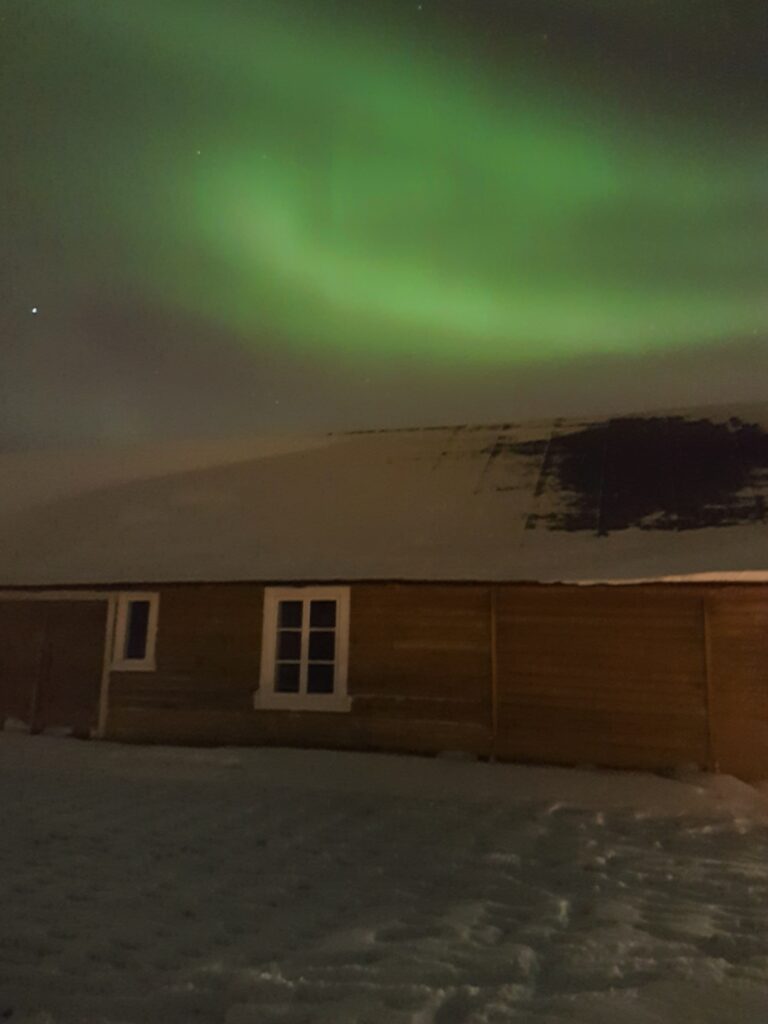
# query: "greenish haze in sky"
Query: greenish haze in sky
{"points": [[346, 188]]}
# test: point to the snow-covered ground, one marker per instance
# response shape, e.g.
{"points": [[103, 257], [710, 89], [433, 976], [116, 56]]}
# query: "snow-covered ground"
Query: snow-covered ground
{"points": [[279, 886]]}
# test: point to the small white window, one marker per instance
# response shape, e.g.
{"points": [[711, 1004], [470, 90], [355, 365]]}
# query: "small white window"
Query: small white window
{"points": [[304, 649], [135, 632]]}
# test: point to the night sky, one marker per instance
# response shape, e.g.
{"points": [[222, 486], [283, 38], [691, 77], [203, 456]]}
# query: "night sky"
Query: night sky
{"points": [[225, 216]]}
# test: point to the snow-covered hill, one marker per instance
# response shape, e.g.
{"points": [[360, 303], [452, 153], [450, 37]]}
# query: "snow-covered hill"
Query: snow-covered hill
{"points": [[648, 496]]}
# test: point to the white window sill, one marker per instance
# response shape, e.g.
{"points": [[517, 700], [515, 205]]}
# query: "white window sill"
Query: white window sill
{"points": [[301, 702], [132, 666]]}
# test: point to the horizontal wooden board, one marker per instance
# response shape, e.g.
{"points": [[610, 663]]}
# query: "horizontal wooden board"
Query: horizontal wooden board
{"points": [[336, 731], [591, 697], [423, 709], [602, 737]]}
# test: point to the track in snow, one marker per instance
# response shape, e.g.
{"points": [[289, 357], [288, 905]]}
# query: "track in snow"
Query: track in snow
{"points": [[286, 886]]}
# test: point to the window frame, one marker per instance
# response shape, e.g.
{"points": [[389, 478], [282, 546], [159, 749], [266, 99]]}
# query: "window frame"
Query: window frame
{"points": [[119, 662], [266, 697]]}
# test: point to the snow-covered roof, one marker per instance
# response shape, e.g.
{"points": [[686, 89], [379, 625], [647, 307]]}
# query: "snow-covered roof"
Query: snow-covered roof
{"points": [[640, 497]]}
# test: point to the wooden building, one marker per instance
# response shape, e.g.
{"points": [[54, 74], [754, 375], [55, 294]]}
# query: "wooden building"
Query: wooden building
{"points": [[559, 592]]}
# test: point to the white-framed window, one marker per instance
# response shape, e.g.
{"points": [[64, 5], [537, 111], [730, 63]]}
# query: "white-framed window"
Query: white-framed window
{"points": [[135, 632], [304, 649]]}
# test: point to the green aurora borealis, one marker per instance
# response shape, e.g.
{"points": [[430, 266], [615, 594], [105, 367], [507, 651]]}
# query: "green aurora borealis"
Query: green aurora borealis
{"points": [[313, 172]]}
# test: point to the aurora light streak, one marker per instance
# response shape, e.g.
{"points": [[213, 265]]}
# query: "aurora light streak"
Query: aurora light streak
{"points": [[322, 174]]}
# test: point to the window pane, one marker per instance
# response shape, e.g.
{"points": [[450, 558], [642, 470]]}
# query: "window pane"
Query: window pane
{"points": [[287, 678], [320, 679], [289, 615], [322, 646], [322, 613], [136, 630], [288, 645]]}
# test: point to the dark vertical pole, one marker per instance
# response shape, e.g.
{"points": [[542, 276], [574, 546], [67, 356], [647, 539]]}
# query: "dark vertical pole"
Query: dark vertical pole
{"points": [[43, 673], [494, 676], [712, 760]]}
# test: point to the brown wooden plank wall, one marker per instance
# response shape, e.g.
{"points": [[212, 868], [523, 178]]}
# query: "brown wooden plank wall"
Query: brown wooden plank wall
{"points": [[419, 662], [418, 672], [70, 692], [22, 645], [51, 658], [602, 675], [737, 620], [208, 652]]}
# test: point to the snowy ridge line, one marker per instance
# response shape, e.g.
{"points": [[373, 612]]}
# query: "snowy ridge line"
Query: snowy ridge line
{"points": [[504, 503]]}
